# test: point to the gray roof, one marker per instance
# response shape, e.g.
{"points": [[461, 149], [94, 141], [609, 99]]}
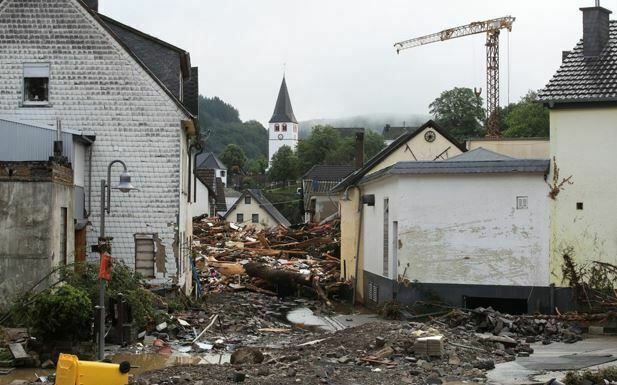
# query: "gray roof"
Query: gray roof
{"points": [[479, 154], [324, 172], [283, 112], [209, 160], [264, 203], [581, 79], [165, 61], [528, 166]]}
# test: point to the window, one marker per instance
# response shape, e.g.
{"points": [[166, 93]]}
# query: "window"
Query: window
{"points": [[247, 200], [521, 203], [255, 218], [144, 255], [386, 236], [63, 235], [284, 127], [36, 84], [579, 205], [240, 218], [276, 128], [222, 173]]}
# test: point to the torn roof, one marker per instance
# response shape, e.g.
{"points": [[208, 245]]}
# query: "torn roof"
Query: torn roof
{"points": [[580, 79]]}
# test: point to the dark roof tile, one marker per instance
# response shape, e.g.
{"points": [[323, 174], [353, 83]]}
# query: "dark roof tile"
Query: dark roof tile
{"points": [[283, 112], [581, 79]]}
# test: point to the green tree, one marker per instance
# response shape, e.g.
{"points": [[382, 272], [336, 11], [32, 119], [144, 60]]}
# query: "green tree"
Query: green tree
{"points": [[257, 166], [284, 166], [233, 157], [324, 140], [460, 112], [527, 118]]}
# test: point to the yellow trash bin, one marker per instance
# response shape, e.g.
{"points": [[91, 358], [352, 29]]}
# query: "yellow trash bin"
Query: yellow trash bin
{"points": [[71, 371]]}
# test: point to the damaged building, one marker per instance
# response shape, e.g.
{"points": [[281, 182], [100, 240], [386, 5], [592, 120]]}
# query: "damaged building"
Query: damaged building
{"points": [[137, 95]]}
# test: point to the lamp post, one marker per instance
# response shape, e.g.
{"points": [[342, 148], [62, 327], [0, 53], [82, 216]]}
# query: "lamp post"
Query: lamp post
{"points": [[104, 244]]}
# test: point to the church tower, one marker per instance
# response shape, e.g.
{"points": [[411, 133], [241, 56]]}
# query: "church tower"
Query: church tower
{"points": [[283, 127]]}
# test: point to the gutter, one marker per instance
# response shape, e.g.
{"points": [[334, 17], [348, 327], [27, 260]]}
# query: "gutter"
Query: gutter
{"points": [[90, 144]]}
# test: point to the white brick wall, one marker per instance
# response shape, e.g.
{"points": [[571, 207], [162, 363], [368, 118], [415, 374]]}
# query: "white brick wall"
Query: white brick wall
{"points": [[96, 86]]}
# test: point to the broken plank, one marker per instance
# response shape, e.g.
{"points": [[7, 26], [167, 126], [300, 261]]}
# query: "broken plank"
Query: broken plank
{"points": [[18, 352]]}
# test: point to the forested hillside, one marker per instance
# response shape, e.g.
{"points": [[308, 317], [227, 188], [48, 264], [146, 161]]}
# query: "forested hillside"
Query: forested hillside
{"points": [[221, 125]]}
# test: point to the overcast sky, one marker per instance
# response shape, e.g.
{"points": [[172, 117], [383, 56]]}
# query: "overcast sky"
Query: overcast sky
{"points": [[338, 53]]}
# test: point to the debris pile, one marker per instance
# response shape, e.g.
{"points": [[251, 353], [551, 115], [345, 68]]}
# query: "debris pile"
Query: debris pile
{"points": [[374, 353], [545, 329], [282, 261]]}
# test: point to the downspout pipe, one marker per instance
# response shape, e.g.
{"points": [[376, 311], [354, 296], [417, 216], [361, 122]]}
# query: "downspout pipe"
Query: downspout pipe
{"points": [[90, 144], [357, 264], [200, 150]]}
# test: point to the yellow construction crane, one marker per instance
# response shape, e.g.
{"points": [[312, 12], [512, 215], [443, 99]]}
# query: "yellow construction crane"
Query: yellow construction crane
{"points": [[492, 29]]}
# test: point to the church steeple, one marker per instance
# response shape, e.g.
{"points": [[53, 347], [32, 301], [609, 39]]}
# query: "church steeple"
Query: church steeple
{"points": [[283, 112]]}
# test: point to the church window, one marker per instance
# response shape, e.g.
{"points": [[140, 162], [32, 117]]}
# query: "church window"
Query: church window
{"points": [[276, 128], [284, 127]]}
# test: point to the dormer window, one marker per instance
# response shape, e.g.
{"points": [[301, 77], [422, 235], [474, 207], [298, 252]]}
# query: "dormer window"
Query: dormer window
{"points": [[36, 84], [284, 127], [277, 128]]}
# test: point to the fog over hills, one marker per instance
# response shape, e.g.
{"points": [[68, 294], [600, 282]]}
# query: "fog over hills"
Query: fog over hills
{"points": [[375, 122]]}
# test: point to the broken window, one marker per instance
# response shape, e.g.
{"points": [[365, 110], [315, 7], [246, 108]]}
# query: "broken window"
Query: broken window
{"points": [[255, 218], [240, 218], [36, 84], [521, 203], [145, 253]]}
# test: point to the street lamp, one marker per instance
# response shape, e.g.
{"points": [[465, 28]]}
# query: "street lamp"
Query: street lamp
{"points": [[124, 186]]}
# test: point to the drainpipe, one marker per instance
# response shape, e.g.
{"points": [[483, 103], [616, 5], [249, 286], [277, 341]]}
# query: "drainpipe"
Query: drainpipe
{"points": [[90, 143], [355, 278], [199, 146]]}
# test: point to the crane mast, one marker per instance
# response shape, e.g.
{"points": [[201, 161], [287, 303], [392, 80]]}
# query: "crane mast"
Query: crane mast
{"points": [[492, 28]]}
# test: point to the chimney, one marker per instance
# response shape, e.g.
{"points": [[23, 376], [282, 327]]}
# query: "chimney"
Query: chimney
{"points": [[93, 4], [596, 24], [564, 55], [359, 150]]}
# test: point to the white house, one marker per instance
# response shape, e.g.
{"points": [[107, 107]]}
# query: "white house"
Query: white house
{"points": [[582, 98], [473, 230], [210, 196], [253, 208], [283, 127], [137, 94]]}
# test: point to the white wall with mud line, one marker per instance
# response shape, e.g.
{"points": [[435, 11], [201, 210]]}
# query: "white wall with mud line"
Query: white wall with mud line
{"points": [[463, 229]]}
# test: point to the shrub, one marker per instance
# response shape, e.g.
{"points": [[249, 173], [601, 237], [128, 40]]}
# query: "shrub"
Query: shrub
{"points": [[62, 313]]}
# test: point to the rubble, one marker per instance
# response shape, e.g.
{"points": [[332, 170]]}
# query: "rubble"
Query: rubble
{"points": [[277, 261], [504, 327]]}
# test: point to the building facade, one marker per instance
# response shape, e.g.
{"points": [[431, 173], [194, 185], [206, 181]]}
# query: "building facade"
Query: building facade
{"points": [[252, 208], [428, 142], [62, 60], [582, 98]]}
